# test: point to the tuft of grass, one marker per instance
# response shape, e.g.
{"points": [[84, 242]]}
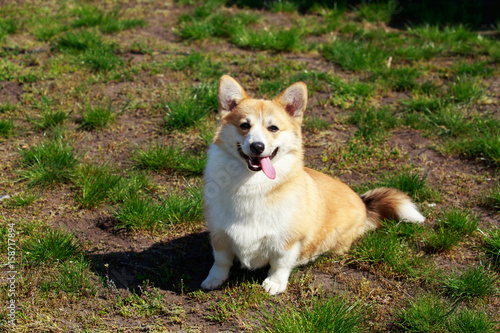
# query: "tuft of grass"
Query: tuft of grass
{"points": [[469, 321], [373, 123], [137, 183], [197, 65], [188, 110], [377, 11], [412, 183], [333, 314], [6, 127], [22, 200], [97, 117], [283, 6], [72, 277], [492, 199], [171, 158], [466, 90], [8, 26], [48, 163], [144, 213], [274, 39], [50, 247], [387, 252], [461, 221], [356, 55], [107, 22], [95, 183], [49, 119], [475, 282], [485, 146], [425, 314], [492, 246], [89, 50], [315, 124], [452, 228]]}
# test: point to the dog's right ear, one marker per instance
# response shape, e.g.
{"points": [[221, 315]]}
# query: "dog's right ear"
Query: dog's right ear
{"points": [[230, 94]]}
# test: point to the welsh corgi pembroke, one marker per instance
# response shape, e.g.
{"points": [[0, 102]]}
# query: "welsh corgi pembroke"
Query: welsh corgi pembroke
{"points": [[264, 207]]}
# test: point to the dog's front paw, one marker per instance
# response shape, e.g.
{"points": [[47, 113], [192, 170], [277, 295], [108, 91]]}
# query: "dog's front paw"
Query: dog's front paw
{"points": [[211, 283], [274, 287]]}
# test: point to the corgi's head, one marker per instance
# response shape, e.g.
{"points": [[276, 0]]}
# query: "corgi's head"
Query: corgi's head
{"points": [[262, 134]]}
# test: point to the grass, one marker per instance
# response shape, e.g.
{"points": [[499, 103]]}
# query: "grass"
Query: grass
{"points": [[146, 214], [107, 22], [106, 112], [168, 158], [97, 117], [331, 314], [492, 246], [426, 313], [50, 247], [473, 283], [356, 55], [455, 226], [49, 119], [191, 107], [48, 163], [96, 183], [6, 127]]}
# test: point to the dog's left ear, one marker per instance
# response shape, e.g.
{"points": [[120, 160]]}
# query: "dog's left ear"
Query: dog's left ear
{"points": [[294, 99]]}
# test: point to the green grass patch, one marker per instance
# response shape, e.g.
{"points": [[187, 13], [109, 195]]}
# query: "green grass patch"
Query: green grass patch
{"points": [[373, 123], [274, 39], [169, 158], [89, 49], [492, 246], [453, 227], [191, 107], [22, 200], [492, 199], [426, 313], [331, 314], [197, 65], [49, 247], [147, 214], [49, 163], [473, 283], [315, 124], [107, 22], [412, 183], [69, 277], [356, 55], [95, 183], [49, 119], [97, 116], [6, 127]]}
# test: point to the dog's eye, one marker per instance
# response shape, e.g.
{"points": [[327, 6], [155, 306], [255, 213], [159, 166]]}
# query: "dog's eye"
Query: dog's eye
{"points": [[245, 126], [273, 128]]}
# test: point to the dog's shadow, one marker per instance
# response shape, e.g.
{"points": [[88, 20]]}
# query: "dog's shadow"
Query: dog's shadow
{"points": [[179, 265]]}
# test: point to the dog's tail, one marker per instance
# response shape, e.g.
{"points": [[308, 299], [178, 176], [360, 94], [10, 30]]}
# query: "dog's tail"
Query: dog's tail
{"points": [[389, 203]]}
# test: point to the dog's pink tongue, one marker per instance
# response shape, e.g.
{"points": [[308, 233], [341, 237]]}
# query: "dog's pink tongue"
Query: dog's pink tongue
{"points": [[267, 167]]}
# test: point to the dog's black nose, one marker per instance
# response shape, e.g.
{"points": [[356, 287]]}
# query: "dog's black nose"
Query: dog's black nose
{"points": [[257, 148]]}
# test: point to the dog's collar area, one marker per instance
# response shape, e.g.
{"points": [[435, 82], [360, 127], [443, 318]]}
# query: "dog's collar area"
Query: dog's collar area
{"points": [[253, 162]]}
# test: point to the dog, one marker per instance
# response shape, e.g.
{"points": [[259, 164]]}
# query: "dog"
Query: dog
{"points": [[264, 207]]}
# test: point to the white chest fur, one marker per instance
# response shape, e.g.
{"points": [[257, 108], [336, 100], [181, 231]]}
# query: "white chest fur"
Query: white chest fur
{"points": [[236, 205]]}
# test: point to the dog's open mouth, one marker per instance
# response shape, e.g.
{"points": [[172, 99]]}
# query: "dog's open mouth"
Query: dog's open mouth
{"points": [[260, 163]]}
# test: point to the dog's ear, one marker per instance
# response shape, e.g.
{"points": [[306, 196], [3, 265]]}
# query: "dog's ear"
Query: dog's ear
{"points": [[230, 93], [294, 99]]}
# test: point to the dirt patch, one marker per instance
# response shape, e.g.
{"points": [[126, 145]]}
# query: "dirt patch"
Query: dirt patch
{"points": [[10, 92]]}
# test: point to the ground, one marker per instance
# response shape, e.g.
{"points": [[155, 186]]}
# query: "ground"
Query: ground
{"points": [[368, 123]]}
